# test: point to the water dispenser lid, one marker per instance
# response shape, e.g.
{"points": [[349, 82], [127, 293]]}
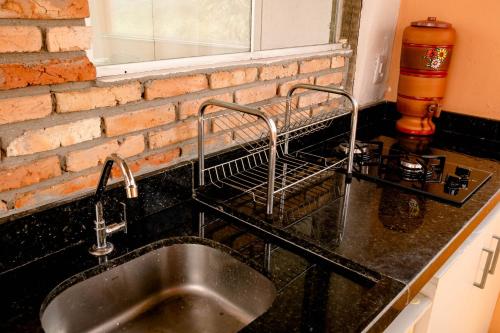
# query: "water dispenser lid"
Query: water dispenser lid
{"points": [[431, 22]]}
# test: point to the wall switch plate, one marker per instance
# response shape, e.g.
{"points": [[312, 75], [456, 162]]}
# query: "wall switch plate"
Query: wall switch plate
{"points": [[380, 66]]}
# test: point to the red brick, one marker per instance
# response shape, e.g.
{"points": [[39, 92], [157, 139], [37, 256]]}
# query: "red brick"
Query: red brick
{"points": [[255, 94], [328, 107], [314, 65], [63, 39], [190, 108], [88, 99], [24, 108], [232, 121], [156, 160], [232, 78], [130, 146], [285, 87], [275, 109], [57, 192], [151, 162], [91, 157], [278, 71], [312, 99], [20, 39], [28, 174], [93, 98], [127, 93], [298, 117], [181, 132], [175, 86], [338, 62], [211, 144], [34, 141], [44, 9], [139, 120], [46, 72], [251, 133], [329, 79]]}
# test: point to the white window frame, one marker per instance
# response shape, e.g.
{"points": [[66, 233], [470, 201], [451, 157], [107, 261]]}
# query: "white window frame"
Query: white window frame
{"points": [[214, 60]]}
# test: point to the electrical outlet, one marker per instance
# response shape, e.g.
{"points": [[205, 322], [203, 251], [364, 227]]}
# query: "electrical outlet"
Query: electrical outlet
{"points": [[380, 66]]}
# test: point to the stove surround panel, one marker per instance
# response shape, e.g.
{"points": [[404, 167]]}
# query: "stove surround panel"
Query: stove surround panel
{"points": [[408, 163]]}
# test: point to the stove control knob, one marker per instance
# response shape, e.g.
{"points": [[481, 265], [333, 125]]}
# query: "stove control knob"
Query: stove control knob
{"points": [[462, 172], [464, 175], [452, 184]]}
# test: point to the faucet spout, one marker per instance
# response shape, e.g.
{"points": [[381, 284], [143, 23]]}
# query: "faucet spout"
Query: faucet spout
{"points": [[130, 185], [102, 246]]}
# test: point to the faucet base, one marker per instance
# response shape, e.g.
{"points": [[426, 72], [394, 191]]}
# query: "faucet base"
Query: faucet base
{"points": [[101, 251]]}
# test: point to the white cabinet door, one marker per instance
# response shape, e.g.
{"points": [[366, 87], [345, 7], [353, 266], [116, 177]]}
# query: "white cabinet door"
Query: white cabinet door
{"points": [[458, 305], [414, 314], [485, 298], [493, 243], [452, 308]]}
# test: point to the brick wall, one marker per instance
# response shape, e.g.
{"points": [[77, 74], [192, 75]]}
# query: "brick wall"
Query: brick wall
{"points": [[58, 123]]}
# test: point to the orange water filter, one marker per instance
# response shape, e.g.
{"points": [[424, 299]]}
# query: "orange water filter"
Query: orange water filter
{"points": [[425, 58]]}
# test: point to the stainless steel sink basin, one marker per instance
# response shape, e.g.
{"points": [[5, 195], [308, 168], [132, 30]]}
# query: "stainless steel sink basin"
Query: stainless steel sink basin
{"points": [[176, 288]]}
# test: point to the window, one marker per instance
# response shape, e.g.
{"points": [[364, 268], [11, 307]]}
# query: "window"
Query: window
{"points": [[138, 31]]}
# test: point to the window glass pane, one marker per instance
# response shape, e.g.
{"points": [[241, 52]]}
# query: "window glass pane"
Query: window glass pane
{"points": [[294, 23], [128, 31], [131, 31], [122, 31], [201, 27], [131, 18]]}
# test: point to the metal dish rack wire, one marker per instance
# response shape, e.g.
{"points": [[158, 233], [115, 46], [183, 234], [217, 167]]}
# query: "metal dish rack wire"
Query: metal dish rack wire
{"points": [[291, 207], [268, 171]]}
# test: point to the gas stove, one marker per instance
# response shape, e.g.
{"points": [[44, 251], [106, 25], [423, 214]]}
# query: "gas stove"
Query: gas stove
{"points": [[408, 163]]}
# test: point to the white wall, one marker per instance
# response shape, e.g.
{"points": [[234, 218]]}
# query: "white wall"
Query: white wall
{"points": [[376, 36]]}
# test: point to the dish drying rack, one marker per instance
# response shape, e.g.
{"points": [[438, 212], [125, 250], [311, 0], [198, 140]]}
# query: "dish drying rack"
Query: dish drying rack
{"points": [[290, 209], [268, 171]]}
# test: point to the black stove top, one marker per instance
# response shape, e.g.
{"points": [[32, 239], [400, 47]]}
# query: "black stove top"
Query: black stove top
{"points": [[408, 162]]}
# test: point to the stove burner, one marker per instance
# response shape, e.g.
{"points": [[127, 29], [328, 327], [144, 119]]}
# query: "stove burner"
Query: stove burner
{"points": [[406, 165], [412, 169], [360, 147], [362, 152]]}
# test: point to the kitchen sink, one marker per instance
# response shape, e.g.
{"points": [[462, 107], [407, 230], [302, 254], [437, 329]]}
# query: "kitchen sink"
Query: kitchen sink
{"points": [[175, 288]]}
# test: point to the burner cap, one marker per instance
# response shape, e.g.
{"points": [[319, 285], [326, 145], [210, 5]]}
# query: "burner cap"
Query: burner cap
{"points": [[410, 163], [411, 169], [360, 148]]}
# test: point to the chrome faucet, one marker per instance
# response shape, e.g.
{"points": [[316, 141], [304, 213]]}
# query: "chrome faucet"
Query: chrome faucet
{"points": [[102, 246]]}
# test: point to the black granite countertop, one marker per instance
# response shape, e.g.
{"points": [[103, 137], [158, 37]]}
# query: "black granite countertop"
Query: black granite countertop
{"points": [[311, 295], [380, 234], [42, 250]]}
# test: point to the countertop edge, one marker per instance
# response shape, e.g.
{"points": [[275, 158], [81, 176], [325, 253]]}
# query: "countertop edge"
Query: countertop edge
{"points": [[399, 302], [421, 279]]}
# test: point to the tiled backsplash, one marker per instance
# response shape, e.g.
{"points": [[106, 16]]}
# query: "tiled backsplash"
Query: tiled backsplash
{"points": [[58, 123]]}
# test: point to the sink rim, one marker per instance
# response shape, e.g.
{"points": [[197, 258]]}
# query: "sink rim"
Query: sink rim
{"points": [[136, 253]]}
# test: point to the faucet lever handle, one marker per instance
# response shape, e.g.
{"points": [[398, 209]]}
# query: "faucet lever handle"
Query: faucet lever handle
{"points": [[119, 226], [123, 216]]}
